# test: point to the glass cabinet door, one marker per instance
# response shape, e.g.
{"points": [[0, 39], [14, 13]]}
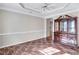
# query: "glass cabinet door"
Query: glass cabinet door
{"points": [[56, 26], [72, 26], [63, 26]]}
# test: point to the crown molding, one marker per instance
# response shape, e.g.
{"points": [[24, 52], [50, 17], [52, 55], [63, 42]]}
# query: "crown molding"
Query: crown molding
{"points": [[20, 12], [51, 16]]}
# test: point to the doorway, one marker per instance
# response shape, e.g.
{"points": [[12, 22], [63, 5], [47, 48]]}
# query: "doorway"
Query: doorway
{"points": [[49, 30]]}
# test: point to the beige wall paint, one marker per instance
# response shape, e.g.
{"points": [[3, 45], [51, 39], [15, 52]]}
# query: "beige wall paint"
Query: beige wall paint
{"points": [[17, 28]]}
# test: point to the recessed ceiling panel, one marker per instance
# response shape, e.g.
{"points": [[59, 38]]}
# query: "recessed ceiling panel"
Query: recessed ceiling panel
{"points": [[40, 9]]}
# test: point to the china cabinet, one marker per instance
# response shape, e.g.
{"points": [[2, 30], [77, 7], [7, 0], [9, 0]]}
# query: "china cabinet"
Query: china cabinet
{"points": [[65, 30]]}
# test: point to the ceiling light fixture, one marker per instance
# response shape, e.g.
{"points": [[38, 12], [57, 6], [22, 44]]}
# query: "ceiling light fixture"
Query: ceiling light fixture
{"points": [[46, 7]]}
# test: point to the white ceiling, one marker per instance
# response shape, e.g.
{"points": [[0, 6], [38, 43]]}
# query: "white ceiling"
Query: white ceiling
{"points": [[44, 10]]}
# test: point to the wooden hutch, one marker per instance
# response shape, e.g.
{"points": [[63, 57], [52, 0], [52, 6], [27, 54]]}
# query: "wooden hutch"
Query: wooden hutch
{"points": [[65, 30]]}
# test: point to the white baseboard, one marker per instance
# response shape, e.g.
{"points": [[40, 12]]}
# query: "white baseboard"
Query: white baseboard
{"points": [[19, 43], [15, 40]]}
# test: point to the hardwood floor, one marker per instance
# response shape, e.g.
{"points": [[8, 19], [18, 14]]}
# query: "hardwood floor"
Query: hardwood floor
{"points": [[33, 47]]}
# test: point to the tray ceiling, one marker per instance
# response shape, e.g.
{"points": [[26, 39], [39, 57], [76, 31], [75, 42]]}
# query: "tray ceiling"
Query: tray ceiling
{"points": [[39, 9]]}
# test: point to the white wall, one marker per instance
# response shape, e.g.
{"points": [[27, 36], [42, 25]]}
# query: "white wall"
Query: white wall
{"points": [[17, 28]]}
